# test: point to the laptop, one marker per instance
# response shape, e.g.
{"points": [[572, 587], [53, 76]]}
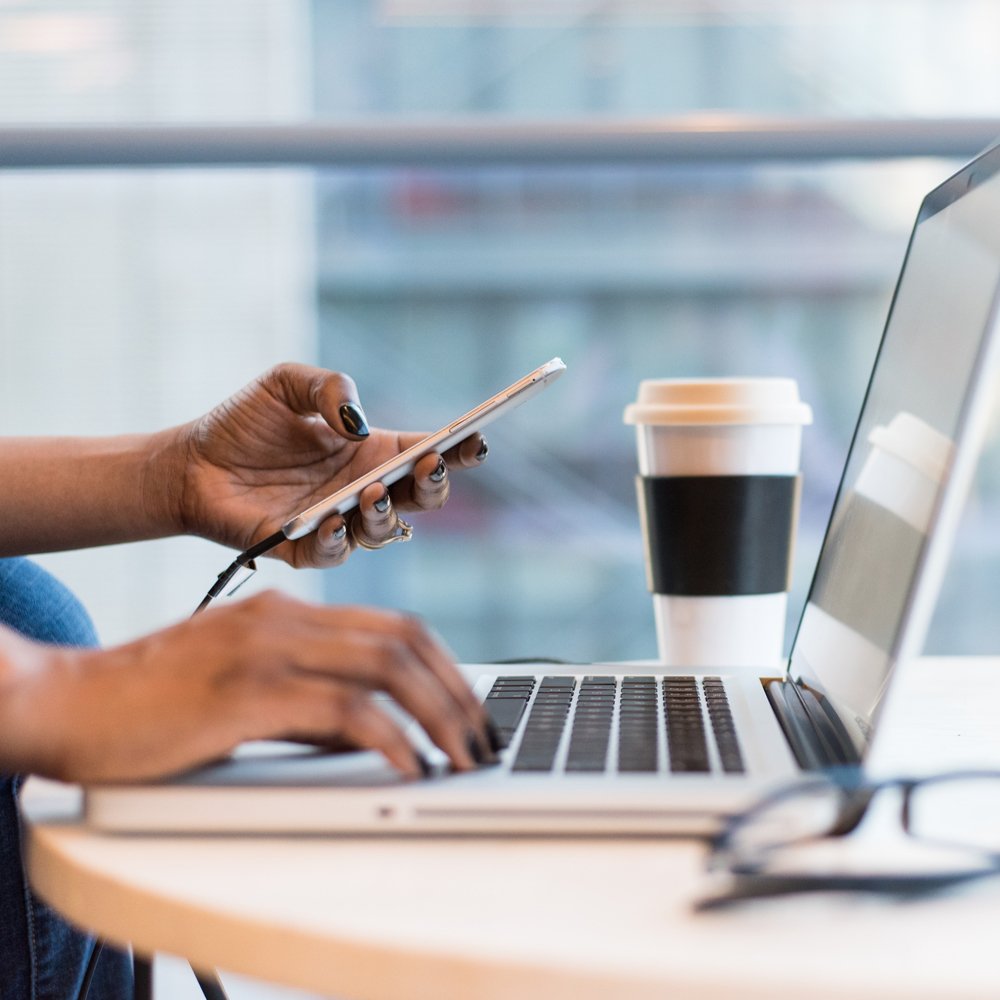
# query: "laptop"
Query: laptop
{"points": [[646, 749]]}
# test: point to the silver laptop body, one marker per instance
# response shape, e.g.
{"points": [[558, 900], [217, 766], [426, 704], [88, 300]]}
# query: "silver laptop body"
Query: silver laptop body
{"points": [[643, 749]]}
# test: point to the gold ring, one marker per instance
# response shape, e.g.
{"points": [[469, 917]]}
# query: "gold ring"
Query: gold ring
{"points": [[403, 533]]}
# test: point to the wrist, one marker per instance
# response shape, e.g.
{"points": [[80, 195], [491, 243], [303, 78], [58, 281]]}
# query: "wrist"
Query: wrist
{"points": [[164, 481]]}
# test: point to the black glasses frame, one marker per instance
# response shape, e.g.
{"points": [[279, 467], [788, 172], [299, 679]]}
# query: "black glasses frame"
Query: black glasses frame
{"points": [[750, 878]]}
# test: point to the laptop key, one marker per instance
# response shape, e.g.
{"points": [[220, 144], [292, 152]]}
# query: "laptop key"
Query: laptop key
{"points": [[544, 728], [723, 726], [637, 729], [588, 747], [506, 714], [505, 704], [686, 744]]}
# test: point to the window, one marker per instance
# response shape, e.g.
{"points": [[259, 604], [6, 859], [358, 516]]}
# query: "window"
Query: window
{"points": [[132, 299]]}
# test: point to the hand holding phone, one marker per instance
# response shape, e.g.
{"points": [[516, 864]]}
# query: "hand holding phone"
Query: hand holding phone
{"points": [[402, 464], [387, 473]]}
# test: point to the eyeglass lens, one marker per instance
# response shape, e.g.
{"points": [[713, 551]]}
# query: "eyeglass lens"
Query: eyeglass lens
{"points": [[962, 811], [809, 812]]}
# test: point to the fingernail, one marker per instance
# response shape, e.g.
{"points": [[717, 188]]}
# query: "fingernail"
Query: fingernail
{"points": [[439, 473], [354, 420], [472, 745], [477, 751], [493, 735], [340, 534], [382, 505], [424, 764], [483, 451]]}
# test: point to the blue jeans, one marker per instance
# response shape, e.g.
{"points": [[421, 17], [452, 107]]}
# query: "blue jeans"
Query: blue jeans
{"points": [[41, 956]]}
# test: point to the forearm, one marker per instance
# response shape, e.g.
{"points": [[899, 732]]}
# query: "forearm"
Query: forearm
{"points": [[23, 667], [68, 493]]}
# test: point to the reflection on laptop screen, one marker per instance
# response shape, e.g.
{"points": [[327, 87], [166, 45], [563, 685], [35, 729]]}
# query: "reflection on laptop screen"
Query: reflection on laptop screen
{"points": [[903, 448]]}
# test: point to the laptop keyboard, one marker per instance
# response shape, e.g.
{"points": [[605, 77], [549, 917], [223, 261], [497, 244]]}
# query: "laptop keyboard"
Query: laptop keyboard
{"points": [[596, 724]]}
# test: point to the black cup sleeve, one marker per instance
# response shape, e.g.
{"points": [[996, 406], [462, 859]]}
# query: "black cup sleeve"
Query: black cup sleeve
{"points": [[713, 536]]}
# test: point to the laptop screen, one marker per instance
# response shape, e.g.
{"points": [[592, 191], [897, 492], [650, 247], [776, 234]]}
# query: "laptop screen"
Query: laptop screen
{"points": [[904, 449]]}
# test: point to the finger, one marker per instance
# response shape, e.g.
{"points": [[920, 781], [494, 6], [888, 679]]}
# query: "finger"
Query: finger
{"points": [[423, 650], [401, 673], [469, 453], [325, 547], [428, 487], [324, 741], [441, 663], [371, 727], [378, 516], [378, 649], [439, 660], [333, 395], [345, 715], [381, 660]]}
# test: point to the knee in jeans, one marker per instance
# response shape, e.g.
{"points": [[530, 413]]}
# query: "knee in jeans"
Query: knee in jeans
{"points": [[34, 603]]}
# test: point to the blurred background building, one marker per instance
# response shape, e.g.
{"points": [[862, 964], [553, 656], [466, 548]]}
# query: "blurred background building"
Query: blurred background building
{"points": [[132, 299]]}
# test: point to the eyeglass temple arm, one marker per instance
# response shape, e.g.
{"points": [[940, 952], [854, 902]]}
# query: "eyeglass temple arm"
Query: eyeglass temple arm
{"points": [[243, 560]]}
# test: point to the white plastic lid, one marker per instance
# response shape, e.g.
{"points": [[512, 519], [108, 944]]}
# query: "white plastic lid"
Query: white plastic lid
{"points": [[718, 401], [918, 444]]}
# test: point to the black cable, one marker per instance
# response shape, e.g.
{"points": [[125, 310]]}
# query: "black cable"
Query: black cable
{"points": [[243, 560], [88, 974]]}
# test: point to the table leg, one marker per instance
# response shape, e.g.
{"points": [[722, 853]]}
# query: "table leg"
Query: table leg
{"points": [[143, 970], [210, 985], [209, 982]]}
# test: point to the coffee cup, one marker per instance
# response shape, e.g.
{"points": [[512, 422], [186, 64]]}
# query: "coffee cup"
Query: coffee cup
{"points": [[718, 492]]}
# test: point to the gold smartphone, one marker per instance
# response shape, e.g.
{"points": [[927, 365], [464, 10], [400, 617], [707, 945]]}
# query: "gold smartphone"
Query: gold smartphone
{"points": [[402, 464]]}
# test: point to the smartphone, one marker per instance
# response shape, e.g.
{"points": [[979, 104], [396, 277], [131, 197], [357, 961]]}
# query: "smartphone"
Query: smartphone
{"points": [[403, 463]]}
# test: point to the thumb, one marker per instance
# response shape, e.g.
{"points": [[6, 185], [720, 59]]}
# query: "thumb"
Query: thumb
{"points": [[333, 395]]}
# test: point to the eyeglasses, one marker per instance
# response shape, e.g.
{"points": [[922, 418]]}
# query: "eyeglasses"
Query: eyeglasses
{"points": [[797, 839]]}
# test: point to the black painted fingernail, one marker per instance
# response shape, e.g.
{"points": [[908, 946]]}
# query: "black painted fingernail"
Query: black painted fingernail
{"points": [[484, 450], [439, 473], [382, 505], [478, 752], [475, 750], [493, 735], [424, 764], [354, 420]]}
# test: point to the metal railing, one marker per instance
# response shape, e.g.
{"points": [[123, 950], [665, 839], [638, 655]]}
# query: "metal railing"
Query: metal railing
{"points": [[701, 138]]}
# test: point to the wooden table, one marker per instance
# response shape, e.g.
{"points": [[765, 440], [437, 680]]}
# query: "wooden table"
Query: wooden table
{"points": [[457, 918]]}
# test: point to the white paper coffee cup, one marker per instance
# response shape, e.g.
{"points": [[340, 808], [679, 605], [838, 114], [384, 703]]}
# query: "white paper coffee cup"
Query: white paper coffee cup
{"points": [[718, 493]]}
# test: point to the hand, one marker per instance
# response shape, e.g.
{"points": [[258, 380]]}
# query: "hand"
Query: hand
{"points": [[290, 438], [267, 667]]}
